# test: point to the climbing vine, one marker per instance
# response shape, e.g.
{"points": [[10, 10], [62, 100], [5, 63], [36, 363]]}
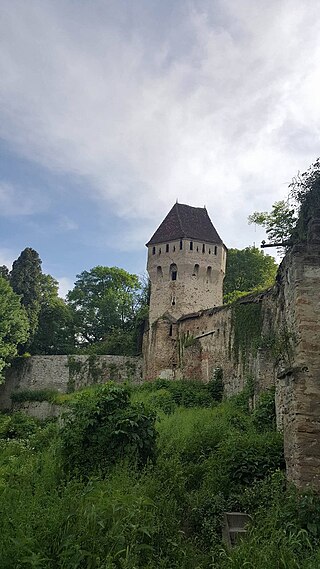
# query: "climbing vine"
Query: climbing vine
{"points": [[246, 328]]}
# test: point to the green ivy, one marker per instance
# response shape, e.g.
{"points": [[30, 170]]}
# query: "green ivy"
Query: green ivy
{"points": [[246, 326]]}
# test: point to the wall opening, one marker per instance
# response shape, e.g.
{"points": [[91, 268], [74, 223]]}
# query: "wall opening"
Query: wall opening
{"points": [[191, 245], [167, 248], [203, 248], [181, 245], [153, 250], [215, 249], [195, 270], [159, 273], [173, 272], [209, 274], [170, 330], [173, 301]]}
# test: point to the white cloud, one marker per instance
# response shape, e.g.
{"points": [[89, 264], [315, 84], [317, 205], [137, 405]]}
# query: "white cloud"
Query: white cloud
{"points": [[20, 201], [65, 284], [221, 110], [7, 256]]}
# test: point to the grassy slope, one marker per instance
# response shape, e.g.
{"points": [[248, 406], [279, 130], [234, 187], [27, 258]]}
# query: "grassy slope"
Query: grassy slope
{"points": [[209, 459]]}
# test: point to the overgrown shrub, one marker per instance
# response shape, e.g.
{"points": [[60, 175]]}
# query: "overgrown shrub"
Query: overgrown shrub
{"points": [[103, 427], [23, 395], [264, 414], [17, 426]]}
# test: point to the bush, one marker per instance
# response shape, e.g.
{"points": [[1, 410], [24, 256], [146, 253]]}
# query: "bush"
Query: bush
{"points": [[23, 395], [264, 414], [18, 426], [104, 427]]}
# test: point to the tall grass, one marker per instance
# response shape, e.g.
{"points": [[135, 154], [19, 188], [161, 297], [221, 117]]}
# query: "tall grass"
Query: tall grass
{"points": [[166, 516]]}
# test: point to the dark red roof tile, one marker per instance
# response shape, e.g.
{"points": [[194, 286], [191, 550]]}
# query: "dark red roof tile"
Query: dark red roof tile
{"points": [[185, 221]]}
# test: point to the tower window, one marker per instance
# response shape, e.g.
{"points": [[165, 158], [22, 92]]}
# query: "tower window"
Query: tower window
{"points": [[197, 249], [173, 272], [180, 245], [167, 248], [159, 250], [173, 301], [159, 273], [170, 330], [215, 250], [153, 250], [191, 245], [209, 274], [196, 271], [209, 251], [174, 248], [203, 248]]}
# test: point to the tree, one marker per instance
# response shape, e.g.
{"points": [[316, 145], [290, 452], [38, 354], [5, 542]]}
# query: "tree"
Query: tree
{"points": [[25, 280], [279, 223], [4, 272], [13, 324], [248, 269], [54, 334], [104, 303]]}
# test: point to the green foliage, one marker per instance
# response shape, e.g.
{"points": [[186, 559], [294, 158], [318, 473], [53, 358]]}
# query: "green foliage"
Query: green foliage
{"points": [[279, 223], [168, 515], [13, 324], [215, 386], [17, 426], [247, 270], [247, 329], [105, 302], [55, 334], [25, 280], [23, 395], [104, 427], [264, 414]]}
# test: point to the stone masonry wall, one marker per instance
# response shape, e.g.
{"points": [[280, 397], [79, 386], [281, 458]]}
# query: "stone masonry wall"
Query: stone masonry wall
{"points": [[67, 373], [283, 351]]}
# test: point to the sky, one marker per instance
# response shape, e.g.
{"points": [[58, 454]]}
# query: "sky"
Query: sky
{"points": [[111, 110]]}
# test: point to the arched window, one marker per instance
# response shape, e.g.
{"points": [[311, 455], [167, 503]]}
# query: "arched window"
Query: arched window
{"points": [[159, 273], [209, 274], [173, 272], [195, 270]]}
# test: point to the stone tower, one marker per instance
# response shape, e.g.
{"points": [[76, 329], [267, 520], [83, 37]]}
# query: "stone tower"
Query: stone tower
{"points": [[186, 263]]}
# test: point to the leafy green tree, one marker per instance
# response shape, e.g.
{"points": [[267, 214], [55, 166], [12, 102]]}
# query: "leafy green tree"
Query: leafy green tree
{"points": [[246, 270], [279, 223], [13, 324], [25, 280], [104, 303], [4, 272], [55, 333]]}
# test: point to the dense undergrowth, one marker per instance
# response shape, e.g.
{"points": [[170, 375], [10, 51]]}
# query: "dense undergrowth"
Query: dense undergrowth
{"points": [[139, 478]]}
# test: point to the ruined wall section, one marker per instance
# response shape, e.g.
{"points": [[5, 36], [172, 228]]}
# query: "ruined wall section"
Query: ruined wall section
{"points": [[67, 373], [298, 385]]}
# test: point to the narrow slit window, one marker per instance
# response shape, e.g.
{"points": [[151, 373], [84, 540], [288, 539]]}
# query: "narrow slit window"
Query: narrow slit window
{"points": [[174, 248], [209, 274], [173, 272], [159, 273], [191, 245], [153, 250], [215, 250], [181, 245], [159, 250], [170, 330], [167, 248], [203, 248]]}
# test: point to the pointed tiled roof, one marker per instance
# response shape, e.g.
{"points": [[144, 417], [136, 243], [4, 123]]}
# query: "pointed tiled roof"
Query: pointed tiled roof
{"points": [[185, 221]]}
